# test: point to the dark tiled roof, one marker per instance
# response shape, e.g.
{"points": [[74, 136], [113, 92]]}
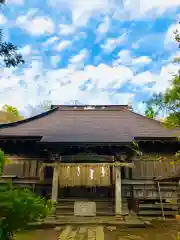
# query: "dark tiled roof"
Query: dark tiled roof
{"points": [[117, 124]]}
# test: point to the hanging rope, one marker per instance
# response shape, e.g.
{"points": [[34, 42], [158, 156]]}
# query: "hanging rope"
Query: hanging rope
{"points": [[87, 175]]}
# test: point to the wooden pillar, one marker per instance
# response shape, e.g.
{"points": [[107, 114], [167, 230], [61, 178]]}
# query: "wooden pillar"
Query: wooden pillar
{"points": [[55, 184], [118, 194]]}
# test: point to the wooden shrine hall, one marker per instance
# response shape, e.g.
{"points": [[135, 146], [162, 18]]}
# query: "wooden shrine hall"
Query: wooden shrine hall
{"points": [[86, 153]]}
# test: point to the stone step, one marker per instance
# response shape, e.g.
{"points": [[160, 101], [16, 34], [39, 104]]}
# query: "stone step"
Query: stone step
{"points": [[97, 203], [156, 213], [158, 206], [85, 199], [98, 213], [63, 206], [78, 219]]}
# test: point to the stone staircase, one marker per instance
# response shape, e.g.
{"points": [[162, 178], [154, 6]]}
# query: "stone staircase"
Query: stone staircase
{"points": [[65, 207]]}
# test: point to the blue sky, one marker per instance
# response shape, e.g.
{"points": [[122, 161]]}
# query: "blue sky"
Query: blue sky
{"points": [[91, 52]]}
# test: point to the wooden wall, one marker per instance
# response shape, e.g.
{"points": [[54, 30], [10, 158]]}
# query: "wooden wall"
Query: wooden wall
{"points": [[23, 166], [144, 169], [149, 169]]}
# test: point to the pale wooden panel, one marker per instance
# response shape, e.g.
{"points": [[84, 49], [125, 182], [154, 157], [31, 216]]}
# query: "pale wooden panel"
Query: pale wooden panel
{"points": [[27, 168], [149, 169], [136, 172], [14, 167], [23, 166], [33, 167]]}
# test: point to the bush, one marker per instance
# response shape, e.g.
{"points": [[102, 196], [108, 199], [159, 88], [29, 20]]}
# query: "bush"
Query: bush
{"points": [[19, 207]]}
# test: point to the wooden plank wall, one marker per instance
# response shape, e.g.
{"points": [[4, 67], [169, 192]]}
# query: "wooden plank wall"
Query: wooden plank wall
{"points": [[144, 169], [23, 166], [149, 169]]}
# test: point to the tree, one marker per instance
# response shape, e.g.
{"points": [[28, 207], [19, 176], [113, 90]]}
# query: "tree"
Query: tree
{"points": [[168, 102], [13, 110], [19, 207], [2, 161], [177, 38], [8, 51]]}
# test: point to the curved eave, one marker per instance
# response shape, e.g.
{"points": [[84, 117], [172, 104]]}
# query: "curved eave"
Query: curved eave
{"points": [[6, 125], [20, 138], [155, 139]]}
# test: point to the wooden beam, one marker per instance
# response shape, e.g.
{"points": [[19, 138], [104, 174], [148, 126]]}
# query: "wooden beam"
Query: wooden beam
{"points": [[55, 184], [116, 164], [118, 192]]}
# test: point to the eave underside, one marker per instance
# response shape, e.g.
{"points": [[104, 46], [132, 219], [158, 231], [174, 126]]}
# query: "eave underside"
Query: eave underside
{"points": [[30, 144]]}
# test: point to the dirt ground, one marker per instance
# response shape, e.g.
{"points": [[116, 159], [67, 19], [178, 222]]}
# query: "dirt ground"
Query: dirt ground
{"points": [[159, 231], [49, 234]]}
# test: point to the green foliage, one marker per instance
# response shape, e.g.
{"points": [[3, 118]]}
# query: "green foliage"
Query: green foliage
{"points": [[9, 52], [150, 112], [167, 103], [13, 110], [177, 38], [136, 149], [19, 207], [3, 159]]}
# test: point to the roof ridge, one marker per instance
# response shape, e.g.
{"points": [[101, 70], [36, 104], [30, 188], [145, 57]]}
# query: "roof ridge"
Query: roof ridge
{"points": [[90, 107]]}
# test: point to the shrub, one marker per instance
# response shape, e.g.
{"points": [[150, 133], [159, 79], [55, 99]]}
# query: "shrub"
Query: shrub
{"points": [[19, 207]]}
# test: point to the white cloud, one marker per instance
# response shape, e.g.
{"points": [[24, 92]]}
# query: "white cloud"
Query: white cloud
{"points": [[50, 41], [144, 78], [62, 85], [19, 2], [83, 10], [41, 25], [55, 60], [26, 50], [121, 10], [78, 60], [125, 57], [104, 76], [141, 60], [165, 77], [62, 45], [111, 43], [36, 26], [2, 19], [137, 9], [66, 29], [104, 26], [162, 80], [65, 84]]}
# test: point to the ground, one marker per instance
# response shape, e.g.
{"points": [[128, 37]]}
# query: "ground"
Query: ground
{"points": [[166, 231]]}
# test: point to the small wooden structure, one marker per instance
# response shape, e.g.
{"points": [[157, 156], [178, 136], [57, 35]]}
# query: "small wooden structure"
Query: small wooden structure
{"points": [[83, 153], [171, 178]]}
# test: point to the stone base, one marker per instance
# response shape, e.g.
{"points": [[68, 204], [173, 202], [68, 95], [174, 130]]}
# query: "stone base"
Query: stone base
{"points": [[84, 209]]}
